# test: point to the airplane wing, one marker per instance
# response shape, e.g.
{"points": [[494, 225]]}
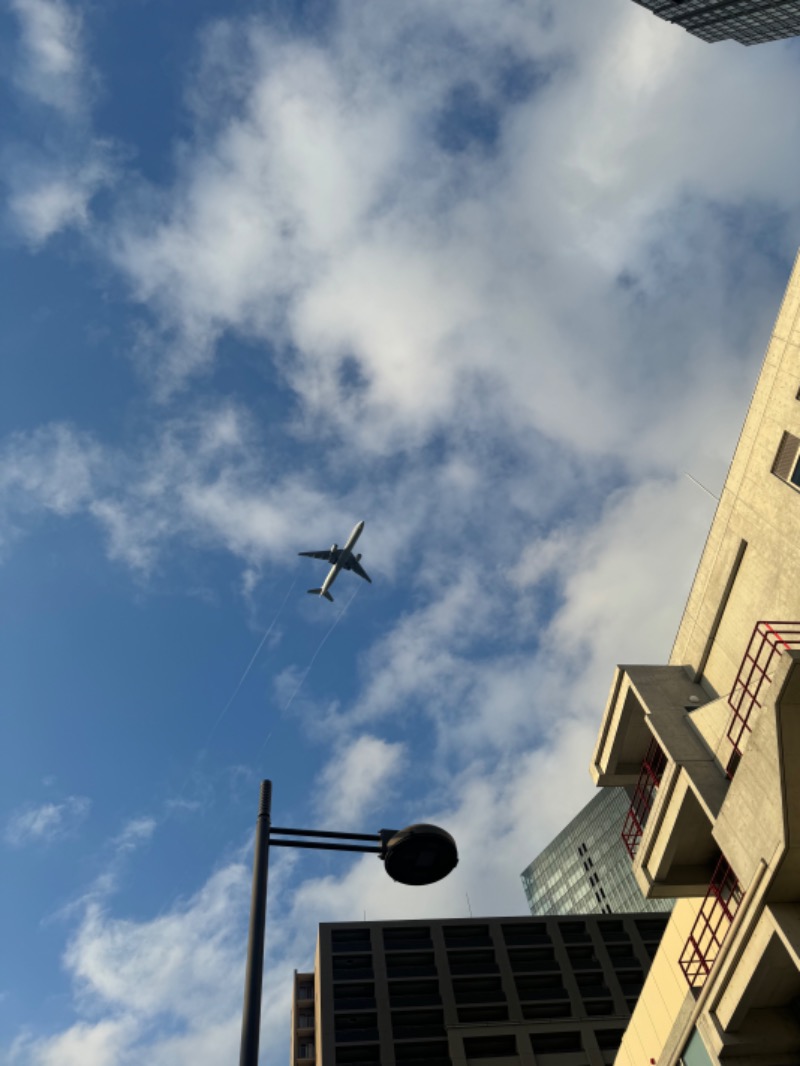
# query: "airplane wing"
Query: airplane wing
{"points": [[354, 565], [327, 555]]}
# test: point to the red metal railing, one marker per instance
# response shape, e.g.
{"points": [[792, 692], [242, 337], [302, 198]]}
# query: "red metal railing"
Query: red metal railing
{"points": [[711, 925], [766, 644], [649, 779]]}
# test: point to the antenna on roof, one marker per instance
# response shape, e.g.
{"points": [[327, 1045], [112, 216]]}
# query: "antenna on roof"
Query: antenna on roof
{"points": [[469, 905]]}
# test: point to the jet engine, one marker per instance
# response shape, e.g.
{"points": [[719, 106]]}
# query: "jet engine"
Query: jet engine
{"points": [[358, 557], [334, 547]]}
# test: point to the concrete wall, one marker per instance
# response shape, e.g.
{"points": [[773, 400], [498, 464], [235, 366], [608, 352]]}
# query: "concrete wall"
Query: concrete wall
{"points": [[755, 507]]}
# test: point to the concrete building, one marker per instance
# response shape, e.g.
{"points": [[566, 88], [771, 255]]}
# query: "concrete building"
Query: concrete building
{"points": [[710, 742], [585, 868], [745, 21], [552, 992]]}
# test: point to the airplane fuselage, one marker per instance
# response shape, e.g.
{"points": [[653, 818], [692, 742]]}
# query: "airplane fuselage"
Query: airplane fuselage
{"points": [[343, 557], [339, 559]]}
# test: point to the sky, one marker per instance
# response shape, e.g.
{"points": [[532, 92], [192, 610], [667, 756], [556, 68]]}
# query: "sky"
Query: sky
{"points": [[492, 277]]}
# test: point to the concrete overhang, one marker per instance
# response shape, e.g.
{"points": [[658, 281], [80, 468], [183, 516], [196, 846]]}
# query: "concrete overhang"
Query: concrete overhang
{"points": [[644, 701]]}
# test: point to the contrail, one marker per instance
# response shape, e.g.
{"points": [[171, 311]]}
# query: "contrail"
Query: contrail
{"points": [[307, 670], [249, 666]]}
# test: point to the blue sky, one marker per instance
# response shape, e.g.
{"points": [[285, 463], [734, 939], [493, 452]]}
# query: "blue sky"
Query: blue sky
{"points": [[492, 278]]}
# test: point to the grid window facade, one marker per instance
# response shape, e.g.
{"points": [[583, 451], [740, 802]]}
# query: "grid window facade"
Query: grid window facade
{"points": [[586, 868], [558, 991], [745, 21]]}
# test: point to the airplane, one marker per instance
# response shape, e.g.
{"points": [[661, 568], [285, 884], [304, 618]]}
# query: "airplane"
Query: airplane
{"points": [[340, 559]]}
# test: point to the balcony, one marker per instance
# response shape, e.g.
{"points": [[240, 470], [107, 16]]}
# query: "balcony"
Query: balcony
{"points": [[717, 911], [768, 642], [650, 774]]}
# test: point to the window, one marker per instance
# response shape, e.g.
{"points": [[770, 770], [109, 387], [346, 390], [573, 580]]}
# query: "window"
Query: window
{"points": [[478, 990], [364, 1053], [475, 1015], [787, 460], [609, 1039], [467, 936], [538, 1011], [352, 996], [530, 933], [355, 1023], [413, 1025], [351, 967], [404, 938], [351, 936], [431, 1051], [490, 1047], [410, 964], [599, 1008], [543, 1043]]}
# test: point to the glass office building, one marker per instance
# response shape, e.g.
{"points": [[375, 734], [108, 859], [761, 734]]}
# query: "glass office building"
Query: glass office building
{"points": [[745, 21], [586, 868]]}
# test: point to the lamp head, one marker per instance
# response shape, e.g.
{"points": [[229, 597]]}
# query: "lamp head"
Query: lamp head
{"points": [[418, 855]]}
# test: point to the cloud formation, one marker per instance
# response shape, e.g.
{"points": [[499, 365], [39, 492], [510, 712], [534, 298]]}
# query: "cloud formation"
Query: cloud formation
{"points": [[51, 64], [46, 822], [358, 780], [53, 171]]}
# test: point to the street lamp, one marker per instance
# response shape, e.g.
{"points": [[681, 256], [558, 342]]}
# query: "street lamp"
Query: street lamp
{"points": [[417, 855]]}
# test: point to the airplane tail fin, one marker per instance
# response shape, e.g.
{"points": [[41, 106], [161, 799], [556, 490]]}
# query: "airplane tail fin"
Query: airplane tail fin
{"points": [[319, 592]]}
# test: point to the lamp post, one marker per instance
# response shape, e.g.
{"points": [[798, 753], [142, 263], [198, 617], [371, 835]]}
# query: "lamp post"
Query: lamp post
{"points": [[417, 855]]}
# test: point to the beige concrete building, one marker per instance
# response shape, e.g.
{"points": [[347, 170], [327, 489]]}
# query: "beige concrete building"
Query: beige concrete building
{"points": [[711, 743], [532, 991]]}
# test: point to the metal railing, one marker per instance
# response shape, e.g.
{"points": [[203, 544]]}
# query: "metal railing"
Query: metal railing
{"points": [[717, 911], [649, 779], [767, 643]]}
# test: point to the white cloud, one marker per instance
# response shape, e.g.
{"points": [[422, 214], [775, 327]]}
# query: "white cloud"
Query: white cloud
{"points": [[84, 1044], [48, 197], [184, 969], [358, 780], [52, 176], [134, 833], [46, 822], [52, 64], [444, 286], [171, 964]]}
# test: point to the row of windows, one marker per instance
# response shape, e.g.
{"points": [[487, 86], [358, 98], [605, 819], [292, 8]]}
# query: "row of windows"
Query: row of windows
{"points": [[419, 937], [522, 959], [488, 991], [490, 1046]]}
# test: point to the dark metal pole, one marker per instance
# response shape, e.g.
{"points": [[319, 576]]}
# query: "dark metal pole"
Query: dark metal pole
{"points": [[251, 1014]]}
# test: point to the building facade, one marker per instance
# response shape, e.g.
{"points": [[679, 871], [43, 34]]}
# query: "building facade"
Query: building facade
{"points": [[552, 992], [745, 21], [710, 744], [585, 868]]}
